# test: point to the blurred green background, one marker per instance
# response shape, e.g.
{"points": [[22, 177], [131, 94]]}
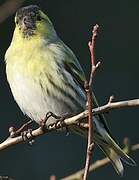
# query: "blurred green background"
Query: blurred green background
{"points": [[118, 49]]}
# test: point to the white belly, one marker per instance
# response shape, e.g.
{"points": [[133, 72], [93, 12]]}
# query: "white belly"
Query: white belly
{"points": [[36, 102]]}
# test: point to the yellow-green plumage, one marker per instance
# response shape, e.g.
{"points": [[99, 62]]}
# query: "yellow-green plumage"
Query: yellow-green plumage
{"points": [[44, 75]]}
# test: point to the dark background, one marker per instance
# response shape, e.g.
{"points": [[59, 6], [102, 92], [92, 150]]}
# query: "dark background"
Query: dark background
{"points": [[118, 49]]}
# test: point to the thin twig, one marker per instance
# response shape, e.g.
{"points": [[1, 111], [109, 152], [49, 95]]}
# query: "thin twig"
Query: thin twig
{"points": [[69, 121], [91, 45], [52, 177], [116, 105], [6, 178], [88, 90], [13, 132], [96, 165], [90, 130]]}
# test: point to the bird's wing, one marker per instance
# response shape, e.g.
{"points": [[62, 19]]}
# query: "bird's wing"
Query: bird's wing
{"points": [[73, 67]]}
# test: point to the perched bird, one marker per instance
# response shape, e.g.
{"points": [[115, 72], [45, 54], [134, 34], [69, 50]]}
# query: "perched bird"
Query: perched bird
{"points": [[45, 75]]}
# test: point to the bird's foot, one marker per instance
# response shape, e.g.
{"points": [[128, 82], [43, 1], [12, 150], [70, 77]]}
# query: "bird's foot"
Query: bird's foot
{"points": [[60, 123], [16, 132], [27, 136], [43, 121]]}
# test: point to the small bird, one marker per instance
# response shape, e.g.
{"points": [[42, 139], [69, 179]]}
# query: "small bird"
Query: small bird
{"points": [[44, 75]]}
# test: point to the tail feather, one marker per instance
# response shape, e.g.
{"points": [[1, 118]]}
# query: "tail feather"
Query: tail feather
{"points": [[114, 158], [128, 160]]}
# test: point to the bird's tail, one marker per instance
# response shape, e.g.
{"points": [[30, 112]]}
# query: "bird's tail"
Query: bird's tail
{"points": [[115, 154], [109, 147]]}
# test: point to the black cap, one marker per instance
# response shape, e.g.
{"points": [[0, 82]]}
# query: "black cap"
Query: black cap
{"points": [[26, 10]]}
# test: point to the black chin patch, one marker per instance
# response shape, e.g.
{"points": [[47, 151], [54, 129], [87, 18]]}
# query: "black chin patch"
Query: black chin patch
{"points": [[28, 33]]}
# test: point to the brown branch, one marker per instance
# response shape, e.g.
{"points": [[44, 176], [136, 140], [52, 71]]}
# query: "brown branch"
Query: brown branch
{"points": [[88, 90], [98, 164], [69, 121], [8, 8]]}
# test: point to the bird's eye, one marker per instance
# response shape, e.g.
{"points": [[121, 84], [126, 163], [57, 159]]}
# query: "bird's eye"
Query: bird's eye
{"points": [[17, 22], [39, 18]]}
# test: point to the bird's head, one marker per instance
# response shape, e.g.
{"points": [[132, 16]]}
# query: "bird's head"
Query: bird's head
{"points": [[31, 21]]}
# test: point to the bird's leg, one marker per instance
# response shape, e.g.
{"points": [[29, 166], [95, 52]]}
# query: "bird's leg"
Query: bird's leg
{"points": [[13, 132]]}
